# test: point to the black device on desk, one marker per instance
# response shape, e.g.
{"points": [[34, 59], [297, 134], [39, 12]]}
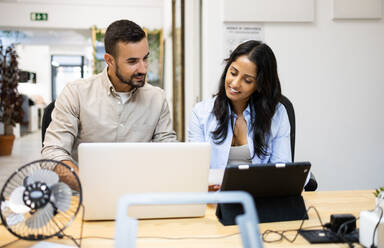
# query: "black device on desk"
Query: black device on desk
{"points": [[275, 188]]}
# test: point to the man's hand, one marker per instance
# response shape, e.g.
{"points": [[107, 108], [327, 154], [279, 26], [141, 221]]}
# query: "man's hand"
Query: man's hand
{"points": [[66, 176]]}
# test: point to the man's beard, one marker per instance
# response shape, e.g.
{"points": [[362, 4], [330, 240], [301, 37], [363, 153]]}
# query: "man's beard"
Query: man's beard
{"points": [[130, 82]]}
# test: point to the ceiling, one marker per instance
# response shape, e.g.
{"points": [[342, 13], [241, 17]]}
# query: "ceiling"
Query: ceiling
{"points": [[152, 3], [46, 37]]}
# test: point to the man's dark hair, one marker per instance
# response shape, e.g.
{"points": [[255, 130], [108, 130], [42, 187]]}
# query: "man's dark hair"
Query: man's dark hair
{"points": [[122, 30]]}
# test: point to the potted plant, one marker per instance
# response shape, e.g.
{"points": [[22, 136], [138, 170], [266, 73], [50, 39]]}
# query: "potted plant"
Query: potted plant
{"points": [[10, 100], [379, 194]]}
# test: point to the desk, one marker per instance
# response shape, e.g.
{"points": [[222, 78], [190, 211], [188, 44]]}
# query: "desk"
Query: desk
{"points": [[326, 202]]}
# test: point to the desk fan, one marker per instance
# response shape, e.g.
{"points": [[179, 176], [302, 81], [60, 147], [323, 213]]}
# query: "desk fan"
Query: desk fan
{"points": [[40, 199]]}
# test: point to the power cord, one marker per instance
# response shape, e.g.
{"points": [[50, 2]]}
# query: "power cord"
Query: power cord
{"points": [[164, 237], [281, 234], [9, 243], [62, 234], [342, 230], [181, 238], [377, 225], [94, 237]]}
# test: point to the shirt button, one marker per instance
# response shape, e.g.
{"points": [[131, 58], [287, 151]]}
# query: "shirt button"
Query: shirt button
{"points": [[121, 125]]}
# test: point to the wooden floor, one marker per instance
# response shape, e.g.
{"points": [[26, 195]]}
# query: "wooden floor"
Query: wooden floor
{"points": [[25, 149]]}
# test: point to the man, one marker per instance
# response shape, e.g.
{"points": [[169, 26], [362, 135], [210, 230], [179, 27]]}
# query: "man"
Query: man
{"points": [[113, 106]]}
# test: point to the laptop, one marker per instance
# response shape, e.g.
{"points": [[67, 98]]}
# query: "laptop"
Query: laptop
{"points": [[109, 170], [275, 188]]}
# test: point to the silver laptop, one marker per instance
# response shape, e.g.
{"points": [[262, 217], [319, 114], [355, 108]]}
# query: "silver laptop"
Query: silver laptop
{"points": [[110, 170]]}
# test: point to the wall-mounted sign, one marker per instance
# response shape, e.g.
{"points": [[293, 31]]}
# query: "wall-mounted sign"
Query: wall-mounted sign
{"points": [[236, 33], [36, 16]]}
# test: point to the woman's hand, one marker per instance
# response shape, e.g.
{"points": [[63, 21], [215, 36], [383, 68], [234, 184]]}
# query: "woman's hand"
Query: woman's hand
{"points": [[240, 132], [214, 187]]}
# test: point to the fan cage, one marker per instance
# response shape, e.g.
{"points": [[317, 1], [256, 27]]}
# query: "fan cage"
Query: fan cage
{"points": [[60, 221]]}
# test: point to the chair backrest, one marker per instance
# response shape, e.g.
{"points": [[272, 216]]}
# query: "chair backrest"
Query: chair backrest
{"points": [[312, 183], [126, 227], [292, 121], [46, 120]]}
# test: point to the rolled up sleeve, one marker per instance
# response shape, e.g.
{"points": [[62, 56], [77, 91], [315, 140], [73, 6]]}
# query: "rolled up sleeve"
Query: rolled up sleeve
{"points": [[63, 129], [195, 130], [164, 131], [281, 143]]}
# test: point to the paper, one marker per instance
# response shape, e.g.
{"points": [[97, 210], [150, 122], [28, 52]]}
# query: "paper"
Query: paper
{"points": [[237, 33]]}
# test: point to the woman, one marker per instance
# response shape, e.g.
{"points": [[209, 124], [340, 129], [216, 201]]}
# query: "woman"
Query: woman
{"points": [[244, 122]]}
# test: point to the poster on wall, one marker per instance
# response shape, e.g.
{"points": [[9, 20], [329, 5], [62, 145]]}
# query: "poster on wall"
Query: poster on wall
{"points": [[237, 33]]}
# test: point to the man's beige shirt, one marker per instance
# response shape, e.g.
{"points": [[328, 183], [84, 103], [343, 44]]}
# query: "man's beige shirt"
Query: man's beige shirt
{"points": [[89, 110]]}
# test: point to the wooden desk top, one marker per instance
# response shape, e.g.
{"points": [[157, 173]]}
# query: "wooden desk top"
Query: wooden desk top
{"points": [[326, 202]]}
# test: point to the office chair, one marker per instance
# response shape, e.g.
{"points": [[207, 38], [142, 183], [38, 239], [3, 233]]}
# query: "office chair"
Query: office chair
{"points": [[46, 120], [292, 121], [312, 184]]}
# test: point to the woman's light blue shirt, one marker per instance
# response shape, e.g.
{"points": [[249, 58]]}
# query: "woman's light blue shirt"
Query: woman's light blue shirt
{"points": [[203, 122]]}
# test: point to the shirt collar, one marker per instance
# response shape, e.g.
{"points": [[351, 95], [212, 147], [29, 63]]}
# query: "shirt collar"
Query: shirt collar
{"points": [[109, 86], [246, 112], [106, 82]]}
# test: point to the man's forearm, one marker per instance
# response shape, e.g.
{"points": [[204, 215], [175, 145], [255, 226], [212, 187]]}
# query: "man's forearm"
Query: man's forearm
{"points": [[72, 165]]}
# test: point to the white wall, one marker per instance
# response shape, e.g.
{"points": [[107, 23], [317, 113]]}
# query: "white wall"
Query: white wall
{"points": [[333, 73], [36, 58], [81, 14], [72, 15], [167, 36], [192, 58]]}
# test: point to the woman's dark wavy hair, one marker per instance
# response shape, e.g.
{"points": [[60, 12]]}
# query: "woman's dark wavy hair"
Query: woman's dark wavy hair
{"points": [[262, 102]]}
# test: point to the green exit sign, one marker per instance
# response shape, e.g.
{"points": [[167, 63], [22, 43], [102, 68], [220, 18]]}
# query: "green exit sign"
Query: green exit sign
{"points": [[35, 16]]}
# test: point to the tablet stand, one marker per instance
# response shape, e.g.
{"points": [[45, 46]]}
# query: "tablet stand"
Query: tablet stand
{"points": [[269, 209]]}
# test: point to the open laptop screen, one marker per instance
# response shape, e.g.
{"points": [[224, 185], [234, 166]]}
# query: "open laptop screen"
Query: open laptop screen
{"points": [[110, 170]]}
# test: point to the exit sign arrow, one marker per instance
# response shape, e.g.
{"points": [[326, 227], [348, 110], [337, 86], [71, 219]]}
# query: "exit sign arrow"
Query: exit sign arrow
{"points": [[36, 16]]}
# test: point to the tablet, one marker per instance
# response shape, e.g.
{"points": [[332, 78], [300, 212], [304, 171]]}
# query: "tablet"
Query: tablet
{"points": [[276, 189]]}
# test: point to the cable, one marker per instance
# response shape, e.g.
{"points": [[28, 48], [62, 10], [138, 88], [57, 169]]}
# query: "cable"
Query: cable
{"points": [[94, 237], [82, 224], [66, 235], [167, 238], [140, 237], [181, 238], [9, 243], [326, 229], [343, 230], [282, 235], [145, 237], [377, 225], [62, 234]]}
